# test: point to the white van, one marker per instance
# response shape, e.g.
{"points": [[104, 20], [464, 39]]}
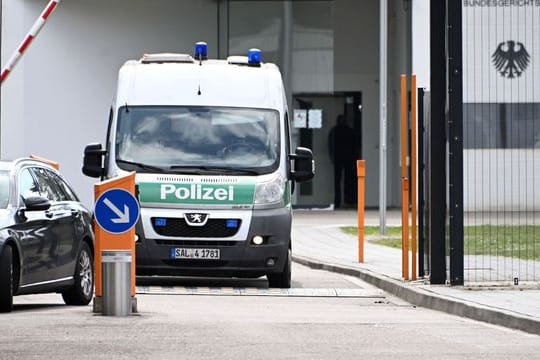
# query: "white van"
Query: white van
{"points": [[210, 143]]}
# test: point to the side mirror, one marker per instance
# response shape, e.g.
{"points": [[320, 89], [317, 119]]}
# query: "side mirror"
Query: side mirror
{"points": [[34, 203], [93, 161], [304, 165]]}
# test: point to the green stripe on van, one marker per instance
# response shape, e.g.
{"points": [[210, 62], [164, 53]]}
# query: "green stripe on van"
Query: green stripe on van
{"points": [[196, 193]]}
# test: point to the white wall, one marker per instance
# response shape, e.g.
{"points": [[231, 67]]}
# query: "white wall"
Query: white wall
{"points": [[398, 63], [421, 42], [57, 98], [501, 180], [487, 27], [357, 69]]}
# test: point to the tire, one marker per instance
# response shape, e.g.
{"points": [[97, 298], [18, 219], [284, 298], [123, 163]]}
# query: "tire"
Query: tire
{"points": [[6, 279], [82, 290], [282, 279]]}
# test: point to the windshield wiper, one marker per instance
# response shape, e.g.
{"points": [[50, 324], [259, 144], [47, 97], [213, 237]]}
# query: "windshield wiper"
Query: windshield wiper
{"points": [[140, 165], [217, 169]]}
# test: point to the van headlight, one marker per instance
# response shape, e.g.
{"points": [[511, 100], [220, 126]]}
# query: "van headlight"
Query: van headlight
{"points": [[270, 192]]}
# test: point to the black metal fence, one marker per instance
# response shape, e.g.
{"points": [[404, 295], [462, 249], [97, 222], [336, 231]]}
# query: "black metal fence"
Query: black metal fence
{"points": [[501, 140]]}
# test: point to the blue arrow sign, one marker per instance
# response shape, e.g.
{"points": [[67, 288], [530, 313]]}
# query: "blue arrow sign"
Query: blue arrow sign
{"points": [[116, 211]]}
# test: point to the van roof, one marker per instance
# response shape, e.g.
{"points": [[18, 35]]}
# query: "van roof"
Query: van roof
{"points": [[177, 79]]}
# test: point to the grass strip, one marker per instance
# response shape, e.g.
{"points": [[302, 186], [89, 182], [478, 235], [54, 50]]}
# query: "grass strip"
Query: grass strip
{"points": [[515, 241]]}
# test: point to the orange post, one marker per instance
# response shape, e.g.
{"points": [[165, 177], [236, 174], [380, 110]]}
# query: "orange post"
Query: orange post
{"points": [[404, 184], [413, 176], [108, 241], [403, 126], [361, 174], [405, 228]]}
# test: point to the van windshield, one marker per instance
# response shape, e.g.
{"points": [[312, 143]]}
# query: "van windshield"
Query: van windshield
{"points": [[197, 139]]}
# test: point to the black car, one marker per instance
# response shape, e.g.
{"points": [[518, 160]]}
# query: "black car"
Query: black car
{"points": [[46, 236]]}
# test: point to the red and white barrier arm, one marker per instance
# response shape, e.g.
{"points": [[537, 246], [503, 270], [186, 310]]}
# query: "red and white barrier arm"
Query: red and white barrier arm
{"points": [[28, 39]]}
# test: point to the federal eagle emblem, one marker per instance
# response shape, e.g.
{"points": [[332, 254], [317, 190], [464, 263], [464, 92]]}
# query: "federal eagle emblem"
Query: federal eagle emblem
{"points": [[510, 59]]}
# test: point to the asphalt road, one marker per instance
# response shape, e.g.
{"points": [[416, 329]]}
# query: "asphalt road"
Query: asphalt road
{"points": [[313, 324]]}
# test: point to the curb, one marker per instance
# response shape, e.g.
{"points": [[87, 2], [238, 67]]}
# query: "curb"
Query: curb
{"points": [[427, 299]]}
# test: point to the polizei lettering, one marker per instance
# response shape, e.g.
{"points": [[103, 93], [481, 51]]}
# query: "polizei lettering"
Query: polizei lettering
{"points": [[197, 192]]}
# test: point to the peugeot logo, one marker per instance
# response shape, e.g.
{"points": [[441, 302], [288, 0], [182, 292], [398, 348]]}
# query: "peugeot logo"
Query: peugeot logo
{"points": [[510, 59], [196, 219]]}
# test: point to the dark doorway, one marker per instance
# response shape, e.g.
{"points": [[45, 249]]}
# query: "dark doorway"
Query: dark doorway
{"points": [[313, 117]]}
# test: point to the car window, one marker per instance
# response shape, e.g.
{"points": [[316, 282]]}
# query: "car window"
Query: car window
{"points": [[27, 185], [48, 185], [69, 194], [4, 189]]}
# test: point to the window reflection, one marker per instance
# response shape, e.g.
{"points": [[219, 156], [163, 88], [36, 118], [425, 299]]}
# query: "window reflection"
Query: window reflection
{"points": [[27, 185], [4, 189], [198, 136], [501, 126]]}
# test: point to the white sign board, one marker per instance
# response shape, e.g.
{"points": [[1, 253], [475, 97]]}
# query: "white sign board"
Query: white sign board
{"points": [[501, 51], [300, 118], [315, 118]]}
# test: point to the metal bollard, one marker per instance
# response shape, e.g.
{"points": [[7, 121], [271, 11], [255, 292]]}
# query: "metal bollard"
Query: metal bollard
{"points": [[116, 282], [361, 174]]}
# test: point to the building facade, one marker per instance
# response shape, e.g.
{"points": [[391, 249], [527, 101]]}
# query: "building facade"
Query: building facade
{"points": [[57, 98]]}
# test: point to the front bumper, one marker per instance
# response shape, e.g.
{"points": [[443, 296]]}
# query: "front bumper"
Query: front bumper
{"points": [[238, 257]]}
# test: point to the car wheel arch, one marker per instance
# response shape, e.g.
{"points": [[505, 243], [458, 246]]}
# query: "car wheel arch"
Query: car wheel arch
{"points": [[88, 240], [16, 263], [78, 293]]}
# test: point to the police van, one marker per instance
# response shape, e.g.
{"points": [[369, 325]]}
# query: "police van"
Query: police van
{"points": [[209, 141]]}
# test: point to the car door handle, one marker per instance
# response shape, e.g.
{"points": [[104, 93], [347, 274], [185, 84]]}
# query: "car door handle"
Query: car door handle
{"points": [[49, 214], [75, 212]]}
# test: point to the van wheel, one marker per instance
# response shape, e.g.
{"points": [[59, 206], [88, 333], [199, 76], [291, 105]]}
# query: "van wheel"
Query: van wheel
{"points": [[282, 279], [82, 290], [6, 279]]}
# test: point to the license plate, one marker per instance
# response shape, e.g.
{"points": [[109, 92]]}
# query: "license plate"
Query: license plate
{"points": [[187, 253]]}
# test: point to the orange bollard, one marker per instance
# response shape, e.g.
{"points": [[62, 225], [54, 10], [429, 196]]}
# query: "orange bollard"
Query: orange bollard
{"points": [[403, 126], [405, 228], [404, 183], [361, 174], [107, 241]]}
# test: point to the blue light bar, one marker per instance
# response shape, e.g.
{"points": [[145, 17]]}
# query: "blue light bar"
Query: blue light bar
{"points": [[201, 50], [254, 57]]}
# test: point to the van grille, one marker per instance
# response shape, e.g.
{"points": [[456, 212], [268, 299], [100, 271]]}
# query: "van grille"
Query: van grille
{"points": [[214, 228]]}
